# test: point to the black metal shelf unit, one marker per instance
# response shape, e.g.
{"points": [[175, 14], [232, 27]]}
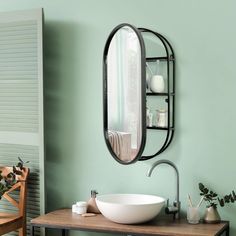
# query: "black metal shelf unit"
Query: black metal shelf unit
{"points": [[169, 95]]}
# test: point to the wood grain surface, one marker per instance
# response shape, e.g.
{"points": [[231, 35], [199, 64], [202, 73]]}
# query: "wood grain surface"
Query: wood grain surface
{"points": [[65, 219]]}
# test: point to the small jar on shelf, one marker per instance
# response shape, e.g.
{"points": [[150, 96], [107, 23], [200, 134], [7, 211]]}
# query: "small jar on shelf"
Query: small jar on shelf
{"points": [[161, 118]]}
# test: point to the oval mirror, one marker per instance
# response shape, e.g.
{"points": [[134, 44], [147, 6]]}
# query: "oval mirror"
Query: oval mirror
{"points": [[124, 94]]}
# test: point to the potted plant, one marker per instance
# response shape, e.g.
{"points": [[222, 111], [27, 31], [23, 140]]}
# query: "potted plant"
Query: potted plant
{"points": [[212, 199], [9, 179]]}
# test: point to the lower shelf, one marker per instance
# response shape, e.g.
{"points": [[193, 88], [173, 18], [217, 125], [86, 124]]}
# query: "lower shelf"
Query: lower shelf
{"points": [[160, 128]]}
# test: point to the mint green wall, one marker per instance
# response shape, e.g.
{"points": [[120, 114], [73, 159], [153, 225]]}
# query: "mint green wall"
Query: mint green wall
{"points": [[203, 36]]}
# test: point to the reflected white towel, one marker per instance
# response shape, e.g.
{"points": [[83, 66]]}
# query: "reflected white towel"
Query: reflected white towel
{"points": [[121, 144]]}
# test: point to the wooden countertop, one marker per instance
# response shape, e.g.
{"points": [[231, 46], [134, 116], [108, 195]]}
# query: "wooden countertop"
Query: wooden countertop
{"points": [[65, 219]]}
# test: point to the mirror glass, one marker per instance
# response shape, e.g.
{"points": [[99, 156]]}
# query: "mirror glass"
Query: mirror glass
{"points": [[125, 99]]}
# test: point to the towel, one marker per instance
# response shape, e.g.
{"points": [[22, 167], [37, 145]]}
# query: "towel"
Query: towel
{"points": [[121, 144]]}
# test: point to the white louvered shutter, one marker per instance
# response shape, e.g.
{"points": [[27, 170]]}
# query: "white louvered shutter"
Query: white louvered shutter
{"points": [[21, 101]]}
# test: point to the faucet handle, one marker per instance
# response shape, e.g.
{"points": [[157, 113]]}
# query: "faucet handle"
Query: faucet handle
{"points": [[167, 202], [171, 209], [176, 203]]}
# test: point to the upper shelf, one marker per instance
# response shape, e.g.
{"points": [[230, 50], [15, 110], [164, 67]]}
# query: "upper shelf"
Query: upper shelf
{"points": [[159, 94]]}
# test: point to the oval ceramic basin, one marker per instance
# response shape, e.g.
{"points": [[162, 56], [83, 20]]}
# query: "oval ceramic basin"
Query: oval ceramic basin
{"points": [[129, 208]]}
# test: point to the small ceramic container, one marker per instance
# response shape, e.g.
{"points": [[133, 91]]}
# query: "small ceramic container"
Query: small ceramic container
{"points": [[157, 84], [161, 118], [81, 208]]}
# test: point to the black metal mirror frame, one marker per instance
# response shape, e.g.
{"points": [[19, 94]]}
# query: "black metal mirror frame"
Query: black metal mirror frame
{"points": [[143, 93]]}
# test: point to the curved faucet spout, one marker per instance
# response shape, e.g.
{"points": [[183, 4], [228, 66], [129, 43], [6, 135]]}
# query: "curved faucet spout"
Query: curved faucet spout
{"points": [[154, 165]]}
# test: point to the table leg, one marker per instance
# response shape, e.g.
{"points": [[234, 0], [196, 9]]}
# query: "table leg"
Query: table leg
{"points": [[31, 230], [227, 231], [64, 232]]}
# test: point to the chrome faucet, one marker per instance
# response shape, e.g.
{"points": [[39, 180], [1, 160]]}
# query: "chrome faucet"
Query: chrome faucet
{"points": [[175, 209]]}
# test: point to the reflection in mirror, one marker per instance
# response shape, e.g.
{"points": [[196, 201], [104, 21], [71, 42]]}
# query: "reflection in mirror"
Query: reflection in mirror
{"points": [[124, 95]]}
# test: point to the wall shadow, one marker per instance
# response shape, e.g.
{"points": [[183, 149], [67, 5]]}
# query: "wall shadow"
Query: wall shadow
{"points": [[59, 106]]}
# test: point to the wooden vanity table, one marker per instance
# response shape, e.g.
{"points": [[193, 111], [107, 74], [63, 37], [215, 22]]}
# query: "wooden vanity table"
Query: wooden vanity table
{"points": [[65, 220]]}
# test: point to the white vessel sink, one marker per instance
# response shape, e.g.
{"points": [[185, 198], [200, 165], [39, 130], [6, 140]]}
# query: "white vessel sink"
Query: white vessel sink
{"points": [[129, 208]]}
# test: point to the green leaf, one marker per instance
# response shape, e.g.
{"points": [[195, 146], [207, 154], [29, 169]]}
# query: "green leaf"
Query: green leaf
{"points": [[232, 199], [214, 194], [205, 190], [234, 195], [221, 201], [227, 198], [201, 186], [19, 165], [20, 160]]}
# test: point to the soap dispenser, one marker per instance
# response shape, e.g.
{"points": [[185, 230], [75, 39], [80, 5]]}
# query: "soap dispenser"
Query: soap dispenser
{"points": [[92, 206]]}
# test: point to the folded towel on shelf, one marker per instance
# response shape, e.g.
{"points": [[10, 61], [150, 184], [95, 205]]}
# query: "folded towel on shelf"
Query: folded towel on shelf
{"points": [[121, 144]]}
